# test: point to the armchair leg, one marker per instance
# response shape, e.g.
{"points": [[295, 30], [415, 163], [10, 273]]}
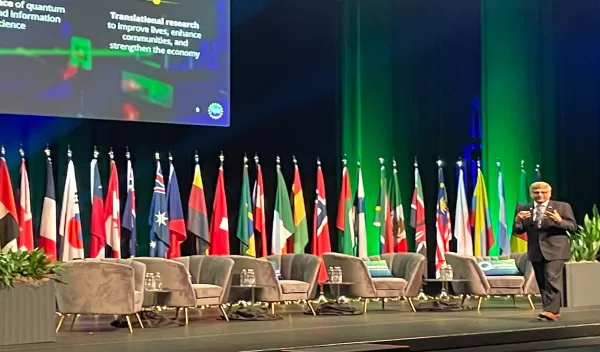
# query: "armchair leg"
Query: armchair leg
{"points": [[464, 299], [187, 318], [176, 313], [139, 319], [73, 322], [129, 324], [479, 302], [412, 304], [365, 305], [383, 304], [60, 322], [530, 302], [272, 306], [514, 300], [222, 309], [312, 309]]}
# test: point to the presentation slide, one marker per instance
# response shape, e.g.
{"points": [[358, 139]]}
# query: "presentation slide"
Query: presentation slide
{"points": [[137, 60]]}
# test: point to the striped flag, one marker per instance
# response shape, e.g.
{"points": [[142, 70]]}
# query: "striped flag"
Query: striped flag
{"points": [[417, 215], [518, 243], [397, 214], [443, 224], [47, 240], [283, 220], [197, 213], [97, 224], [258, 199], [112, 208], [462, 226], [129, 216], [158, 219], [25, 240], [70, 218], [219, 224], [300, 237], [345, 215], [9, 226], [503, 240], [320, 242], [177, 231], [382, 215], [245, 225], [360, 221], [483, 233]]}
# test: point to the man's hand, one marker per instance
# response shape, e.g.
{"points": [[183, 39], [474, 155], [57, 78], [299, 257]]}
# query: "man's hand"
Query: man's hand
{"points": [[553, 215], [525, 214]]}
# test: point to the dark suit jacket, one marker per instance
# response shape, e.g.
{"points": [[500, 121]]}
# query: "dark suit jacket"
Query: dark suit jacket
{"points": [[550, 241]]}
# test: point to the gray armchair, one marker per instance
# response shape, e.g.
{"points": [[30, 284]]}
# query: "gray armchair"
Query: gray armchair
{"points": [[466, 267], [98, 288], [176, 278], [407, 269], [297, 282], [211, 279]]}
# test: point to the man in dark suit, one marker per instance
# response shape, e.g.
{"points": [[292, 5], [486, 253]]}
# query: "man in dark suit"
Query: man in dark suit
{"points": [[546, 223]]}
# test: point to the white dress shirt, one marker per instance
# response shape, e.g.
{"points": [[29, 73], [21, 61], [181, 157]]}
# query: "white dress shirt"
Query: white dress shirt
{"points": [[542, 207]]}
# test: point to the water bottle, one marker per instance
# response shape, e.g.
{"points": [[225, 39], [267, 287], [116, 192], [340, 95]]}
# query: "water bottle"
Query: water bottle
{"points": [[244, 278], [339, 274], [450, 272], [330, 274], [148, 282], [157, 282], [251, 277]]}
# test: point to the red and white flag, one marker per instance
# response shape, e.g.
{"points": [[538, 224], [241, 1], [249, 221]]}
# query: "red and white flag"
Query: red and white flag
{"points": [[70, 219], [219, 224], [25, 240], [97, 224], [9, 227], [112, 206], [47, 241]]}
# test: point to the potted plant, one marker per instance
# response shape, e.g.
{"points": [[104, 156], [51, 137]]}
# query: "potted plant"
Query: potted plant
{"points": [[27, 298], [582, 272]]}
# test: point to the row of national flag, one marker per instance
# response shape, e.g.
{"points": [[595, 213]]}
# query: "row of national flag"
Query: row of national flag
{"points": [[289, 232]]}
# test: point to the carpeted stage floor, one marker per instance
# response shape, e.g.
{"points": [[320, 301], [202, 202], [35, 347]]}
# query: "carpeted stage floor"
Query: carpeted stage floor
{"points": [[498, 327]]}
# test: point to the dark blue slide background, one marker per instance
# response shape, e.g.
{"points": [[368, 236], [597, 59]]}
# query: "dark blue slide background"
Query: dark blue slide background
{"points": [[32, 82]]}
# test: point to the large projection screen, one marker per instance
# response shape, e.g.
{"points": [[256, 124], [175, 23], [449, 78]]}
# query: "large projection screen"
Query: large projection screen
{"points": [[139, 60]]}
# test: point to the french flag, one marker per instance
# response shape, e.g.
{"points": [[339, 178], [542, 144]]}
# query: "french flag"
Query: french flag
{"points": [[47, 241], [70, 219]]}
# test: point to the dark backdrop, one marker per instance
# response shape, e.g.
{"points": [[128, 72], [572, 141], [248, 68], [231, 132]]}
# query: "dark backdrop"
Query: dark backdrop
{"points": [[286, 100]]}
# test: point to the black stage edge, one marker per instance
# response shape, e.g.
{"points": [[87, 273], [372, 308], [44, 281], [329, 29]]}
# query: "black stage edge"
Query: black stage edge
{"points": [[499, 327]]}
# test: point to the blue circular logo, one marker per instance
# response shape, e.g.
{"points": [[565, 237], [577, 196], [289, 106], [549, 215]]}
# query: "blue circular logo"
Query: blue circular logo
{"points": [[215, 111]]}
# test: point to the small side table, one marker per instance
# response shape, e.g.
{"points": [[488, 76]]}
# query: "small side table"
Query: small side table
{"points": [[444, 294], [252, 290], [163, 293], [338, 288]]}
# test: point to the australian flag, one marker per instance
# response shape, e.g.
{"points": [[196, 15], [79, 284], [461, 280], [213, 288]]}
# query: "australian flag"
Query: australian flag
{"points": [[158, 221]]}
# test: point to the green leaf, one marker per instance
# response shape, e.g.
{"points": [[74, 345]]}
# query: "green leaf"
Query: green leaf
{"points": [[585, 242], [29, 267]]}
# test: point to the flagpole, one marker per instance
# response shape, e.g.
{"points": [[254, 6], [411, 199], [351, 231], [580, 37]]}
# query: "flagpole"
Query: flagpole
{"points": [[422, 296], [322, 298]]}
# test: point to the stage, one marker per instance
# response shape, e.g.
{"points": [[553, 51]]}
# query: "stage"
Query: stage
{"points": [[499, 325]]}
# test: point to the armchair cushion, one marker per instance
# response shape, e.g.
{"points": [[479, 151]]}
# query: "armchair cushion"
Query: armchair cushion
{"points": [[294, 286], [506, 281], [499, 267], [207, 290], [378, 268], [389, 283]]}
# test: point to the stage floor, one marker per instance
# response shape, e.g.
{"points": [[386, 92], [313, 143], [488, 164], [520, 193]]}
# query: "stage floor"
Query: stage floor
{"points": [[395, 325]]}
